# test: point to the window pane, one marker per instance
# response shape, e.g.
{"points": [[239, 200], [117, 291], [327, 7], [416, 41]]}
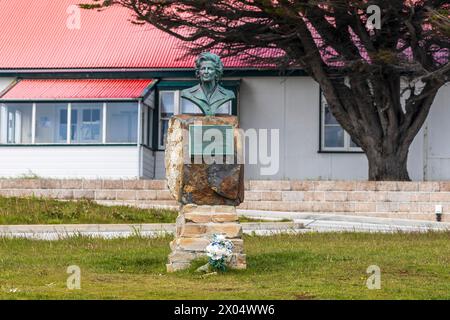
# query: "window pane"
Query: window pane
{"points": [[163, 134], [188, 107], [334, 137], [86, 122], [74, 125], [15, 123], [51, 122], [167, 103], [329, 118], [121, 122]]}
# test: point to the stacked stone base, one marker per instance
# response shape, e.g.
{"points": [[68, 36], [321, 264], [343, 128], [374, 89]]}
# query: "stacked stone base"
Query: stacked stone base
{"points": [[194, 229]]}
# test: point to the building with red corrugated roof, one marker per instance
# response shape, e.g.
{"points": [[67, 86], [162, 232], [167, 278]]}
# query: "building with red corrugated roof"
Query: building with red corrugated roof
{"points": [[88, 94]]}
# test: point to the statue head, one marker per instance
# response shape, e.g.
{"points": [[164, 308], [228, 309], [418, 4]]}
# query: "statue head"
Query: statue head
{"points": [[208, 67]]}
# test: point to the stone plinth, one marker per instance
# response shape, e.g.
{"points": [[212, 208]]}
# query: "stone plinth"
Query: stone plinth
{"points": [[194, 228], [208, 191]]}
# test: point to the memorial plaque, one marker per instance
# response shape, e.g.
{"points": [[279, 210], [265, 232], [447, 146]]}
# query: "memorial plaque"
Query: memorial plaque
{"points": [[211, 140]]}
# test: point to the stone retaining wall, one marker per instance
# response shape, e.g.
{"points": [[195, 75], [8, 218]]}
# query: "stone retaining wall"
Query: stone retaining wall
{"points": [[411, 200]]}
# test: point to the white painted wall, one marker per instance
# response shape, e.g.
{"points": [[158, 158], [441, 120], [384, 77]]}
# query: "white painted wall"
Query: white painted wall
{"points": [[160, 170], [292, 105], [148, 163], [90, 162], [437, 137]]}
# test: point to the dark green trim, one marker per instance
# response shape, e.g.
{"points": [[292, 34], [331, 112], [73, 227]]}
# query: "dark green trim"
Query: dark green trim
{"points": [[182, 84], [140, 73], [155, 127], [72, 145]]}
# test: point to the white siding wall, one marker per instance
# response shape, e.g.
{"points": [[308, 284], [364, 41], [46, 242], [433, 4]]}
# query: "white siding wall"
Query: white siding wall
{"points": [[160, 170], [437, 138], [291, 104], [70, 161], [148, 163]]}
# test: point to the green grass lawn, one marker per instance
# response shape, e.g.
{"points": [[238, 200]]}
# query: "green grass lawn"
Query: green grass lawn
{"points": [[33, 210], [308, 266]]}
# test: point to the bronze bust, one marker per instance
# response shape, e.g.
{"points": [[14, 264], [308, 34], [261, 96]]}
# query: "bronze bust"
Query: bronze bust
{"points": [[208, 95]]}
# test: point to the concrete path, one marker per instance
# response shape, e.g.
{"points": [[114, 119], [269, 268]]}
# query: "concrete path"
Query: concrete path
{"points": [[332, 222], [110, 231], [301, 222]]}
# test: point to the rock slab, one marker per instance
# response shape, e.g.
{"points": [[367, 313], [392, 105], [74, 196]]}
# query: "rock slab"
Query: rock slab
{"points": [[194, 229]]}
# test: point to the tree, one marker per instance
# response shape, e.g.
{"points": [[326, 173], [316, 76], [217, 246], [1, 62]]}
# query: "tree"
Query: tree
{"points": [[379, 77]]}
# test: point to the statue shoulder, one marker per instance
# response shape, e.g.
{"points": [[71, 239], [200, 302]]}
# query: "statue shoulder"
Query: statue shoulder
{"points": [[189, 91], [227, 93]]}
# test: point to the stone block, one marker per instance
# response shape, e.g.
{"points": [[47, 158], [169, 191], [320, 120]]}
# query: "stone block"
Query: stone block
{"points": [[238, 261], [145, 194], [133, 184], [50, 184], [252, 196], [336, 196], [302, 185], [155, 184], [83, 194], [182, 256], [440, 197], [163, 195], [105, 195], [272, 195], [126, 195], [178, 266], [72, 184], [92, 184], [112, 184], [292, 196]]}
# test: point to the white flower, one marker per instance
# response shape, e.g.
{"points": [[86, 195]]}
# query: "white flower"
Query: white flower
{"points": [[219, 237]]}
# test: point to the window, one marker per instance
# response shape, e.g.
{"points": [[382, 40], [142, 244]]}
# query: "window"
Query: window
{"points": [[16, 123], [334, 137], [171, 103], [121, 122], [51, 122], [85, 123]]}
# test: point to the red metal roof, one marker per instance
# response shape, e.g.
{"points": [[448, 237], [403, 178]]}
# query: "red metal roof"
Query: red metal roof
{"points": [[34, 34], [38, 89]]}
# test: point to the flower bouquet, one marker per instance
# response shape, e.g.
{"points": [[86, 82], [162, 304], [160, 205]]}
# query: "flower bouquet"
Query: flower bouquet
{"points": [[219, 252]]}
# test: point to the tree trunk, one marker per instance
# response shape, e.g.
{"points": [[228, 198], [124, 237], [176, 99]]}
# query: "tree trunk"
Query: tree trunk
{"points": [[385, 166]]}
